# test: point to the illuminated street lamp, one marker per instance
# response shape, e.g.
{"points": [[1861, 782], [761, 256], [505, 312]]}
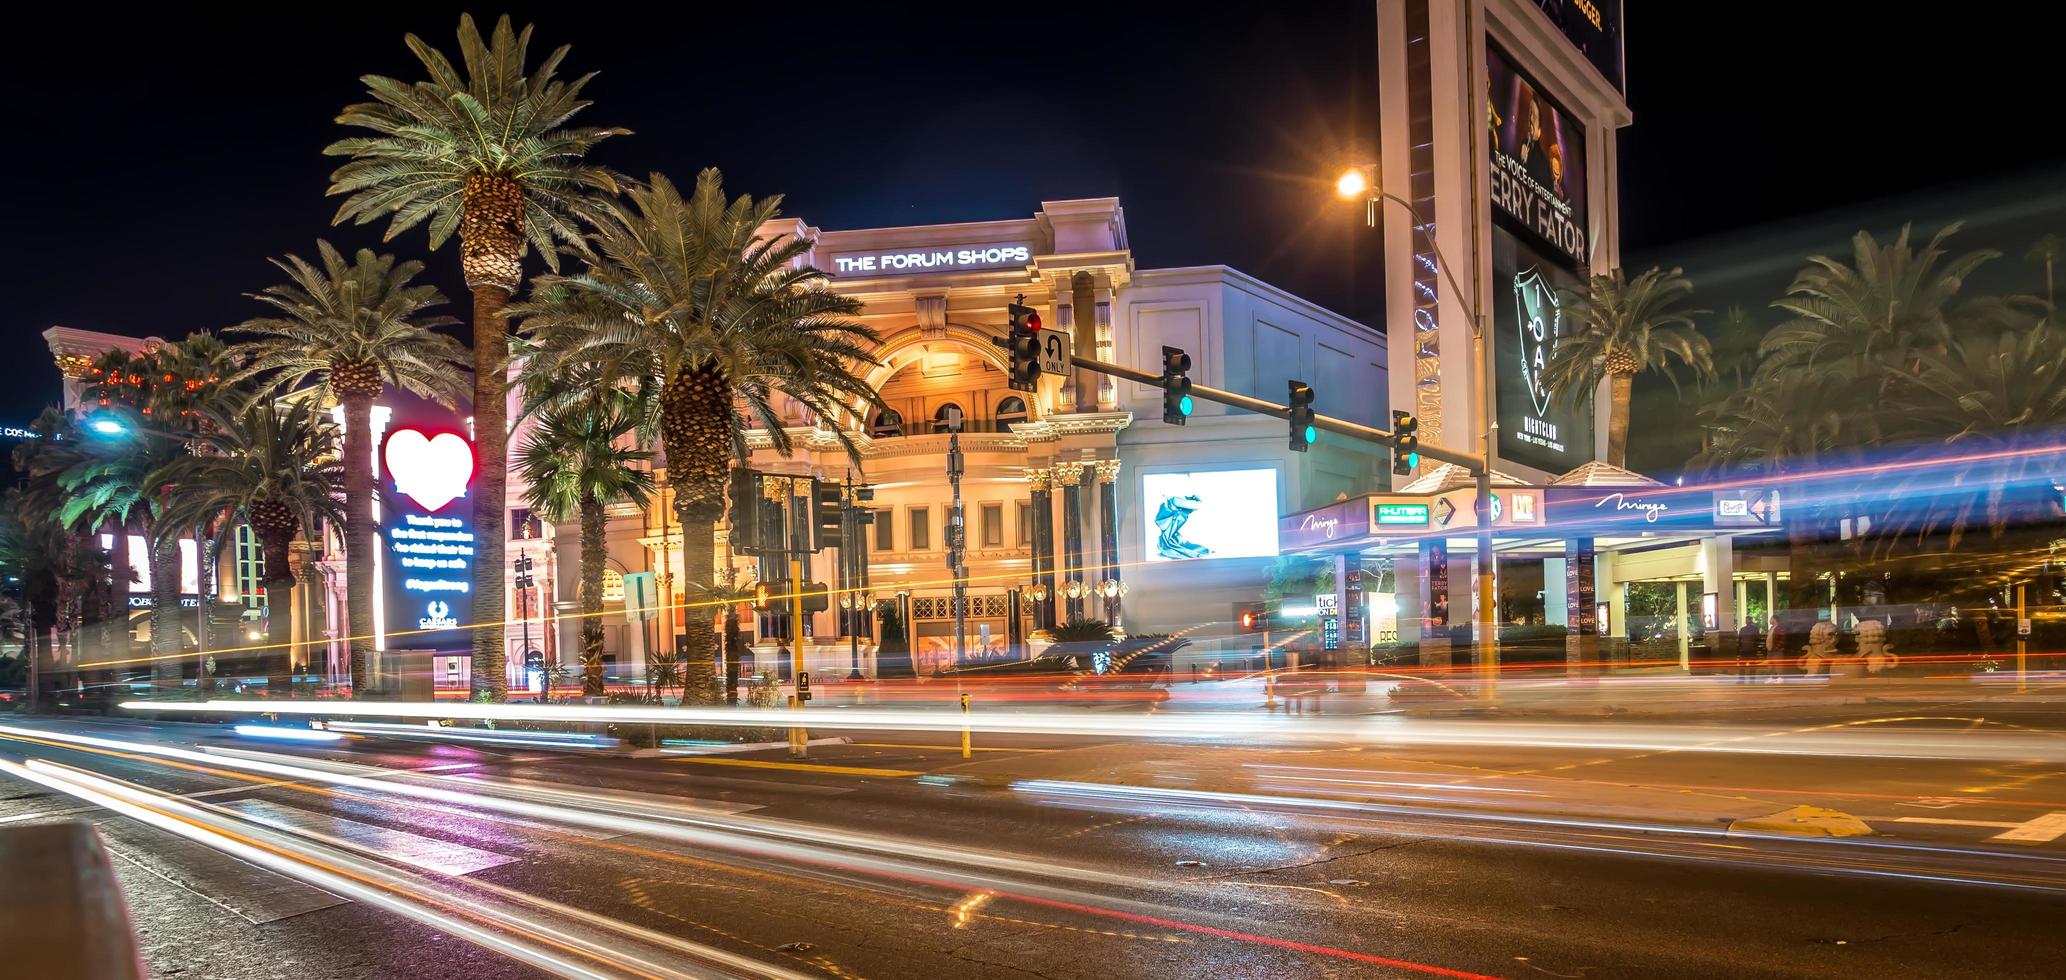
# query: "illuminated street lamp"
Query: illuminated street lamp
{"points": [[1361, 182], [107, 426]]}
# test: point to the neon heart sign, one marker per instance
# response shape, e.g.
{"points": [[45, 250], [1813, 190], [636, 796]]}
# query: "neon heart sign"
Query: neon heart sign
{"points": [[431, 470]]}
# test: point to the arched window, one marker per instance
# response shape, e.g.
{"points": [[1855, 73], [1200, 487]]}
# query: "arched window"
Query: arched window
{"points": [[940, 417], [1010, 412], [887, 425]]}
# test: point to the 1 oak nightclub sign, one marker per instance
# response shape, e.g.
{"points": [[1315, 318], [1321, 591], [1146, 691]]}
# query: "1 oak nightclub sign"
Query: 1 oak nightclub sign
{"points": [[428, 532], [1538, 160], [1537, 426]]}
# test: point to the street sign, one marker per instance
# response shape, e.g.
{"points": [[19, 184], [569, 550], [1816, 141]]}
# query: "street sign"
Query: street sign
{"points": [[2022, 627], [1756, 508], [1444, 512], [641, 596], [1055, 348]]}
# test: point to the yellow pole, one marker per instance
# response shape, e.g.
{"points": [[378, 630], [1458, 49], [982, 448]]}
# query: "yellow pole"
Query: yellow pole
{"points": [[799, 739], [2022, 642], [965, 750]]}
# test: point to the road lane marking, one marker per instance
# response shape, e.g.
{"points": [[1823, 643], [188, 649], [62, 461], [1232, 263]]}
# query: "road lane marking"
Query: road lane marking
{"points": [[2042, 830], [430, 854], [939, 748], [799, 767]]}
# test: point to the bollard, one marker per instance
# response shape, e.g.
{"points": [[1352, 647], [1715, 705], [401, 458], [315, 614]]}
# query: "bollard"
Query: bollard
{"points": [[965, 750], [798, 738]]}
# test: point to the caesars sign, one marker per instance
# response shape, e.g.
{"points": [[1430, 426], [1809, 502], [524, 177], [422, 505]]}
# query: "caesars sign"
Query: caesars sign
{"points": [[1538, 160], [901, 261], [1537, 426]]}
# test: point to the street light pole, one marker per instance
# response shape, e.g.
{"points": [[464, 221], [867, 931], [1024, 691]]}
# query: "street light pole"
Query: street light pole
{"points": [[1360, 181]]}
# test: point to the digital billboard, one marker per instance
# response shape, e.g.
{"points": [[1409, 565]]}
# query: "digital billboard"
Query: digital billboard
{"points": [[1210, 514], [1537, 427], [426, 533], [1538, 161]]}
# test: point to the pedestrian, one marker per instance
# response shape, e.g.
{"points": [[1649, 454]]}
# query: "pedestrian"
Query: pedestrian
{"points": [[1749, 653]]}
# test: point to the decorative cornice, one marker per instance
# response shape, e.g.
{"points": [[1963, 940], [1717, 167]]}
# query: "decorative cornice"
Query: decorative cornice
{"points": [[1073, 424]]}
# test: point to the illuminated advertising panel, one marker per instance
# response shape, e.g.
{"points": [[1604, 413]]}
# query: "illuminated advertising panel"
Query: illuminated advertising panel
{"points": [[1538, 161], [1210, 514], [1537, 427], [427, 536], [1594, 28]]}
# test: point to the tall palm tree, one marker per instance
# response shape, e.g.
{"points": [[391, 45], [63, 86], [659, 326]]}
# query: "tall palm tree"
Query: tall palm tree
{"points": [[1620, 328], [352, 329], [276, 469], [687, 296], [573, 464], [487, 153]]}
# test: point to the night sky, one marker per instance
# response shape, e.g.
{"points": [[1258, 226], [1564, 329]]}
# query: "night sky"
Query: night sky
{"points": [[157, 158]]}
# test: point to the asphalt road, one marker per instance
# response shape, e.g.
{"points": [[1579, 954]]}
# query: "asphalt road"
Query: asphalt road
{"points": [[770, 864]]}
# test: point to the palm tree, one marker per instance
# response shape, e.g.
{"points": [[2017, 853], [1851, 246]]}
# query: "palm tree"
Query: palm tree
{"points": [[352, 329], [276, 469], [573, 465], [687, 296], [487, 153], [1620, 328]]}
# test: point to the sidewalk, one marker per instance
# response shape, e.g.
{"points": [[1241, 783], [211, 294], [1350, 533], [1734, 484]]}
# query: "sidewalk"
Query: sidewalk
{"points": [[1674, 695]]}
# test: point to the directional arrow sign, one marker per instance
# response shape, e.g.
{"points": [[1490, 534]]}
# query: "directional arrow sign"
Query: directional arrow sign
{"points": [[1054, 352], [1444, 512]]}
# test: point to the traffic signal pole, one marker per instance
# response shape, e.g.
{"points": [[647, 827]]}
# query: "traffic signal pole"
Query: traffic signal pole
{"points": [[1326, 423]]}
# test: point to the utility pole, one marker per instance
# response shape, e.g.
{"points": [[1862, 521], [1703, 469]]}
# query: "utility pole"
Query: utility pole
{"points": [[957, 538]]}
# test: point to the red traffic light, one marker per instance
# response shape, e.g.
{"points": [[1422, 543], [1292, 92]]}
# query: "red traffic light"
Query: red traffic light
{"points": [[1248, 620], [1032, 321]]}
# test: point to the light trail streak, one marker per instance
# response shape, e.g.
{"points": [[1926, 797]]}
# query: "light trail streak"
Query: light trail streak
{"points": [[405, 895], [762, 838], [1217, 726], [486, 736], [285, 733]]}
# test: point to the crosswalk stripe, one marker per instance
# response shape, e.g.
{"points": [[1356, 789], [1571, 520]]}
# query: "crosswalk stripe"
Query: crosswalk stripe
{"points": [[2042, 830], [430, 854]]}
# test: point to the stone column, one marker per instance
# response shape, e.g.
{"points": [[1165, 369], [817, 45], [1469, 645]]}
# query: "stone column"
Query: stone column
{"points": [[1038, 483], [1435, 608], [1070, 476], [1717, 575], [1581, 607], [1108, 390], [1108, 532]]}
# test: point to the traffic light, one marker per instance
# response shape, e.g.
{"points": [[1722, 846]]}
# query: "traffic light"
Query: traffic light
{"points": [[745, 501], [1176, 387], [760, 596], [1303, 432], [1405, 443], [826, 512], [1024, 345], [1250, 617]]}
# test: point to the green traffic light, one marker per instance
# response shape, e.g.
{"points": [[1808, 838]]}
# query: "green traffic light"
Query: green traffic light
{"points": [[1312, 435], [1184, 405], [1413, 460]]}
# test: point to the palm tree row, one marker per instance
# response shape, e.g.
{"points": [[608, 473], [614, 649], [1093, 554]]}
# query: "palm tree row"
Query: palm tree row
{"points": [[684, 325]]}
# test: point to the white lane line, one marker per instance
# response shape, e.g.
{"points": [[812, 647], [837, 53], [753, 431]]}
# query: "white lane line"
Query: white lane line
{"points": [[202, 795], [2042, 830], [1949, 822], [427, 853]]}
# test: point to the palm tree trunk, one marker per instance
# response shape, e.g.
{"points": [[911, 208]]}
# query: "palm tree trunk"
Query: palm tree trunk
{"points": [[491, 455], [594, 527], [165, 625], [358, 535], [279, 623], [1619, 388], [695, 423]]}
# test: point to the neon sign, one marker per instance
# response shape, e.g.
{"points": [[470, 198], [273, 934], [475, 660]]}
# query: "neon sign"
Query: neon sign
{"points": [[927, 259]]}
